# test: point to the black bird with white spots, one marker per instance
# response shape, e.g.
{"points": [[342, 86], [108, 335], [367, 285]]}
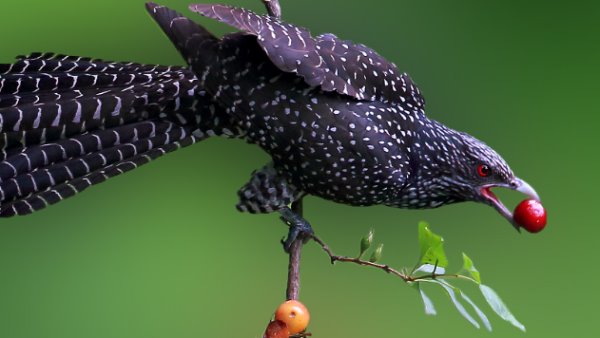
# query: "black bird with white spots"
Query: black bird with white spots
{"points": [[338, 120]]}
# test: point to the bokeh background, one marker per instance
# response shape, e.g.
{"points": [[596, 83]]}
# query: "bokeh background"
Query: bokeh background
{"points": [[162, 252]]}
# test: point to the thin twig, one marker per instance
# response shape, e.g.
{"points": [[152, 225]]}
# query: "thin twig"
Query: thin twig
{"points": [[384, 267], [301, 335], [335, 258]]}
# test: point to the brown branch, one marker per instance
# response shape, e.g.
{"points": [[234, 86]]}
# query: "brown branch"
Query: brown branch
{"points": [[335, 258], [293, 283], [384, 267]]}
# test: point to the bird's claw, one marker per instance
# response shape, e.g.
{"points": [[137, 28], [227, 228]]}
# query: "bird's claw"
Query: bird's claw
{"points": [[300, 229]]}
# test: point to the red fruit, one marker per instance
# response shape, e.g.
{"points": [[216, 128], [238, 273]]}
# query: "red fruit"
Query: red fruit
{"points": [[294, 314], [277, 329], [531, 215]]}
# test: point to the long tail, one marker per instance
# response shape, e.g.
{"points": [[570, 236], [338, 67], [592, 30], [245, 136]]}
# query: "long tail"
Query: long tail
{"points": [[67, 123]]}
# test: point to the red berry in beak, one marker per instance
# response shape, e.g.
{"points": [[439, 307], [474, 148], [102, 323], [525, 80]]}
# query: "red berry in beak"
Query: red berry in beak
{"points": [[530, 215]]}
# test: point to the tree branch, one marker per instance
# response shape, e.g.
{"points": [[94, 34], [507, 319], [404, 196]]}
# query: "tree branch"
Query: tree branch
{"points": [[293, 284], [273, 8], [384, 267]]}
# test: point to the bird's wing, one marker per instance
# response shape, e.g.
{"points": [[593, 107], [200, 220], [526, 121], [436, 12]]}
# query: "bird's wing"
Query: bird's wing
{"points": [[191, 40], [326, 61], [67, 123]]}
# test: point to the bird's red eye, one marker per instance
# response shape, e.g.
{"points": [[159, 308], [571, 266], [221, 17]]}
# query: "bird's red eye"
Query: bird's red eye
{"points": [[483, 170]]}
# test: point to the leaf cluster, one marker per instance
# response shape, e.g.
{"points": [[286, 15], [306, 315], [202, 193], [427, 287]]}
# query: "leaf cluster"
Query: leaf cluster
{"points": [[431, 269]]}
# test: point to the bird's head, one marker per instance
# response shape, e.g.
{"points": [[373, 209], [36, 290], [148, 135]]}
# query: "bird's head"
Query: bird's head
{"points": [[450, 166], [477, 168]]}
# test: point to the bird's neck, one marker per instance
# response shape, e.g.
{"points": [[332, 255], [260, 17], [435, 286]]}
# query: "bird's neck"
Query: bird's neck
{"points": [[432, 157]]}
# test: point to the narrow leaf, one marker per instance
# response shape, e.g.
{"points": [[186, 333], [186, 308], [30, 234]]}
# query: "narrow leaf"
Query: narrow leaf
{"points": [[461, 309], [429, 308], [430, 268], [482, 316], [432, 247], [499, 307], [470, 267]]}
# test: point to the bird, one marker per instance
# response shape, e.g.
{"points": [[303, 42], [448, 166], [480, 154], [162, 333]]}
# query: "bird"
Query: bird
{"points": [[338, 120]]}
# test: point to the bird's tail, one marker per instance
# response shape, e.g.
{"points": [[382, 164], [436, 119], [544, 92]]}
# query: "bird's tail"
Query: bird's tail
{"points": [[67, 123]]}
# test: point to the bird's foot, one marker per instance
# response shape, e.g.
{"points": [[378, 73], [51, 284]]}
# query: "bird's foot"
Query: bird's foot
{"points": [[300, 229]]}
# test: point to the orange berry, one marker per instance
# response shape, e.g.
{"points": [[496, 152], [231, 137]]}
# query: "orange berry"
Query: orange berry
{"points": [[294, 314], [277, 329]]}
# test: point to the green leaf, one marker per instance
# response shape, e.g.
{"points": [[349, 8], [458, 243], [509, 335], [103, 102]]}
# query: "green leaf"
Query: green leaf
{"points": [[450, 290], [377, 253], [432, 247], [429, 308], [468, 266], [482, 316], [499, 307]]}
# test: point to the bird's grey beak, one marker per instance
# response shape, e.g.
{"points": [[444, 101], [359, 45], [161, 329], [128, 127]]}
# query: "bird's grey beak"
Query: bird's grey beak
{"points": [[526, 189], [518, 185]]}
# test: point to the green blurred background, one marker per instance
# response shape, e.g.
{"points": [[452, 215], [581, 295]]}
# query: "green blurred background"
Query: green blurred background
{"points": [[162, 252]]}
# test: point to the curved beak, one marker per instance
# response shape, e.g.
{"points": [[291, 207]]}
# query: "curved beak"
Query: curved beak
{"points": [[518, 185]]}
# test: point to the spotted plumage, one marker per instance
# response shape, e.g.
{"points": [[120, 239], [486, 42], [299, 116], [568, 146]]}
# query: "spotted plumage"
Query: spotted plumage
{"points": [[338, 120]]}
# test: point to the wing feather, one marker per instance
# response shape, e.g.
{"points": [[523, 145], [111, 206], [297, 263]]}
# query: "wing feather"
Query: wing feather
{"points": [[333, 64]]}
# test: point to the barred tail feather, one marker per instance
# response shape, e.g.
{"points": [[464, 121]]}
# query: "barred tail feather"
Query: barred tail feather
{"points": [[59, 63], [45, 97], [29, 183], [67, 123]]}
